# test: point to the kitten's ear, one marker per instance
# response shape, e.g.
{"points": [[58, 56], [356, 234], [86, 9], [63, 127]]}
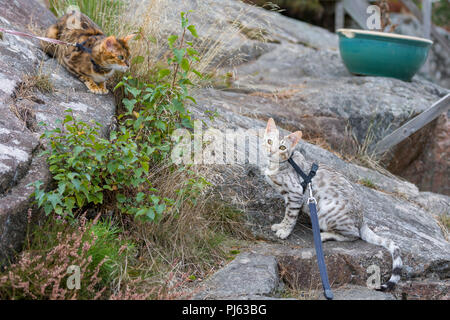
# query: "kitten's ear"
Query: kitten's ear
{"points": [[109, 42], [294, 138], [271, 126], [129, 37]]}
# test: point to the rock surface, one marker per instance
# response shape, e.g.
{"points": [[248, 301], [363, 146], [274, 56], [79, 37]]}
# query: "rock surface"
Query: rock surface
{"points": [[23, 105], [305, 86], [249, 275]]}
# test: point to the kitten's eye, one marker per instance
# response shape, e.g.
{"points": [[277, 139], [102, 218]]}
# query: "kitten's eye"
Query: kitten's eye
{"points": [[282, 148], [269, 142], [120, 57]]}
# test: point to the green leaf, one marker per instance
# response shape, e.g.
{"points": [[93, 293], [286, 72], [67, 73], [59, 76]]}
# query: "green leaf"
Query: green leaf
{"points": [[80, 200], [77, 150], [120, 84], [160, 208], [61, 188], [179, 54], [178, 106], [145, 166], [193, 31], [54, 199], [197, 73], [187, 123], [140, 196], [172, 40], [134, 91], [192, 99], [48, 208], [76, 183], [150, 214], [141, 212], [68, 118], [184, 20], [121, 198], [185, 64], [69, 203], [163, 73], [160, 125]]}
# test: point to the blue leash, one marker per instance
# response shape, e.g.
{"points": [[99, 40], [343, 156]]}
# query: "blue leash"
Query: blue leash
{"points": [[318, 244], [315, 225]]}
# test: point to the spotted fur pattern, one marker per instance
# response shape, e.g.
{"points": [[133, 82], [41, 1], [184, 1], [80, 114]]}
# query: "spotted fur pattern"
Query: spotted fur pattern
{"points": [[338, 208], [102, 57]]}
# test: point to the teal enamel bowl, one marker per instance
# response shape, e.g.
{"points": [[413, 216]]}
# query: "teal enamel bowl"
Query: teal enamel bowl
{"points": [[382, 54]]}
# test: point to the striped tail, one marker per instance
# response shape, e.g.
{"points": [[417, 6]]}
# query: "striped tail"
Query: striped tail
{"points": [[371, 237]]}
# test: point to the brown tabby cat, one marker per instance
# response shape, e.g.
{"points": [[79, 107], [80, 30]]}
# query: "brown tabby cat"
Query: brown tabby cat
{"points": [[339, 211], [99, 57]]}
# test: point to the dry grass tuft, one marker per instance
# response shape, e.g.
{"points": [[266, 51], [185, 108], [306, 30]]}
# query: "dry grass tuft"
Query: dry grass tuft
{"points": [[192, 232]]}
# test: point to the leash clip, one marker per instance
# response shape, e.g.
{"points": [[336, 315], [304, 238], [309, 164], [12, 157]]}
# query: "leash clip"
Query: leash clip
{"points": [[311, 198]]}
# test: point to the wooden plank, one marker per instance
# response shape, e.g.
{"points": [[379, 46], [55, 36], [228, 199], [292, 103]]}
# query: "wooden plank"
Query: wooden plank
{"points": [[413, 125], [339, 15], [426, 17], [357, 9]]}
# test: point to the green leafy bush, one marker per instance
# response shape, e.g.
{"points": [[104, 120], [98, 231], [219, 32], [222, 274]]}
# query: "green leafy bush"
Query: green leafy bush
{"points": [[88, 168]]}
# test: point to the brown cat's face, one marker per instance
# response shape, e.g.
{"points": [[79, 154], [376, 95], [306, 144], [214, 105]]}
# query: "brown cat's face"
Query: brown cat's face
{"points": [[279, 150], [115, 53]]}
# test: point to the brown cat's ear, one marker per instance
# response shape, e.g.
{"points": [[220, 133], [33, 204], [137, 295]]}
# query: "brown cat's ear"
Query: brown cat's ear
{"points": [[271, 126], [294, 138], [109, 42], [129, 37]]}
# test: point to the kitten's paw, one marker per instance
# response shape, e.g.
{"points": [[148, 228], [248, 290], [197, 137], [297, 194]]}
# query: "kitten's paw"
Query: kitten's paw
{"points": [[283, 233], [99, 90], [276, 227], [96, 88]]}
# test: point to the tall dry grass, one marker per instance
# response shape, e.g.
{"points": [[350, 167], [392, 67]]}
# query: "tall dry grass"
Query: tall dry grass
{"points": [[193, 236]]}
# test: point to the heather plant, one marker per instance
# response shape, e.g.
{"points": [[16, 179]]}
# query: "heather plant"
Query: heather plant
{"points": [[42, 272]]}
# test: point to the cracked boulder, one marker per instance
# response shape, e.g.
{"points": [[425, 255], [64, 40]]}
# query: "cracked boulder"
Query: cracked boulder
{"points": [[23, 105]]}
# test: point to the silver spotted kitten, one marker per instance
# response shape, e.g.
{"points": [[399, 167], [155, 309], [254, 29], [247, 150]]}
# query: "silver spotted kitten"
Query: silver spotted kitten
{"points": [[339, 211]]}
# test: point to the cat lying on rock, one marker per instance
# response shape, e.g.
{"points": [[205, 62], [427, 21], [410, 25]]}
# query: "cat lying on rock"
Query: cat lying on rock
{"points": [[97, 57]]}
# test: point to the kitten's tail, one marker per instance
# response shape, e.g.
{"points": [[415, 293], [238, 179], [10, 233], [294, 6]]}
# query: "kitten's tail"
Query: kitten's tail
{"points": [[371, 237]]}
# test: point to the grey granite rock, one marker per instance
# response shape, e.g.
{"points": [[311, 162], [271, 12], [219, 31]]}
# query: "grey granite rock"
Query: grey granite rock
{"points": [[20, 164], [246, 277]]}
